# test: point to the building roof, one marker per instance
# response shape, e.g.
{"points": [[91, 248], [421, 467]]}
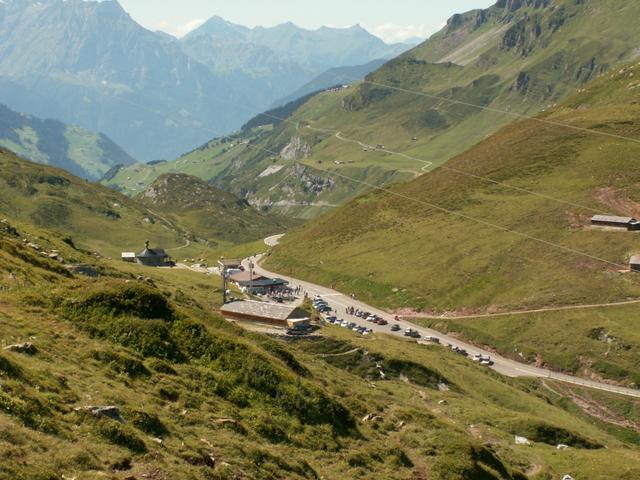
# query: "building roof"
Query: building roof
{"points": [[152, 253], [230, 263], [245, 277], [128, 255], [272, 311], [613, 219], [264, 282], [635, 260]]}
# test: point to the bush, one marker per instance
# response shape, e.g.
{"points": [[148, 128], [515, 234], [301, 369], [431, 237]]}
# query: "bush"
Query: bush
{"points": [[120, 435], [161, 366], [122, 364], [30, 411], [146, 422], [551, 435], [124, 300], [149, 338], [10, 369]]}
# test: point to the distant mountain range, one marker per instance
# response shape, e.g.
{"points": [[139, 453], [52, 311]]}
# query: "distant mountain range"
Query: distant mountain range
{"points": [[479, 73], [81, 152], [88, 63]]}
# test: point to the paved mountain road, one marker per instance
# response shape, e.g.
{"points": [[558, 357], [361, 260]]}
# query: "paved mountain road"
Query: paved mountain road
{"points": [[339, 302]]}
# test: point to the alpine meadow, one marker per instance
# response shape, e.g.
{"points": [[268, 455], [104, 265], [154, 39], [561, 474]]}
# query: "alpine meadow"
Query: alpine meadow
{"points": [[251, 243]]}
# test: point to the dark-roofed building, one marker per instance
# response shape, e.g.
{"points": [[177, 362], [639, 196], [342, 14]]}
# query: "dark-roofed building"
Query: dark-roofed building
{"points": [[245, 277], [156, 257], [627, 223], [230, 264], [270, 313]]}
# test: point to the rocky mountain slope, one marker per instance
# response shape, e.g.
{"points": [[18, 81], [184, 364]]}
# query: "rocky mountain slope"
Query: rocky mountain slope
{"points": [[282, 59], [88, 63], [79, 151], [505, 225], [101, 220], [483, 70], [208, 211]]}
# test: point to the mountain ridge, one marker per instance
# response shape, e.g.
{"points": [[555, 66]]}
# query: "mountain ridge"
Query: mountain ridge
{"points": [[81, 152]]}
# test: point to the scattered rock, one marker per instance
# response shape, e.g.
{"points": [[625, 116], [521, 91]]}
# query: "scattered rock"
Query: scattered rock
{"points": [[225, 421], [33, 246], [562, 446], [522, 441], [107, 412], [442, 402], [567, 477], [443, 387], [26, 348], [373, 418]]}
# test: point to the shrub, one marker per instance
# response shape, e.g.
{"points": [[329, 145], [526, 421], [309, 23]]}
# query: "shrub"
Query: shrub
{"points": [[10, 369], [124, 300], [122, 364], [150, 338], [120, 435], [30, 411], [146, 422], [551, 435], [161, 366]]}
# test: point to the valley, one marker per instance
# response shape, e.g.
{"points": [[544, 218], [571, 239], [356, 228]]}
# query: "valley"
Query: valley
{"points": [[419, 262]]}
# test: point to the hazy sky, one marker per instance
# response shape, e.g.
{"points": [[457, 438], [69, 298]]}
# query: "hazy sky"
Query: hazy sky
{"points": [[393, 20]]}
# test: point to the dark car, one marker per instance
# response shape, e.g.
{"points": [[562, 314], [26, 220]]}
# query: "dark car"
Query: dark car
{"points": [[395, 328]]}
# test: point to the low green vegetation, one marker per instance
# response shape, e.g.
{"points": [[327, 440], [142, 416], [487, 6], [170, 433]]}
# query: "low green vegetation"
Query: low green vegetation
{"points": [[471, 238], [79, 151], [196, 397], [600, 342]]}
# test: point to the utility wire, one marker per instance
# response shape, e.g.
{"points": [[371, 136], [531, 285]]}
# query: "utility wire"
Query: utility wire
{"points": [[460, 215]]}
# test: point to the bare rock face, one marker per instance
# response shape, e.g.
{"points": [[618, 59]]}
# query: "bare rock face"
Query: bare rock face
{"points": [[295, 150], [25, 348]]}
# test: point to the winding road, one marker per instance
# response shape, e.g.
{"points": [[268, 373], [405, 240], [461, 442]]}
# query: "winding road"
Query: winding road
{"points": [[339, 302]]}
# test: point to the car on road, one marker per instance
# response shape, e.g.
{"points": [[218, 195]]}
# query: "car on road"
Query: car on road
{"points": [[344, 324], [483, 359], [410, 332], [382, 322], [395, 328], [432, 339]]}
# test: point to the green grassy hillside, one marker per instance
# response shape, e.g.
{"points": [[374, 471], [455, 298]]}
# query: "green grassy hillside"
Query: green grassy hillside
{"points": [[101, 220], [400, 249], [515, 57], [208, 212], [79, 151], [197, 398]]}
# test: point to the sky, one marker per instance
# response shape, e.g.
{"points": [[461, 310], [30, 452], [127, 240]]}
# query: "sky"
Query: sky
{"points": [[391, 20]]}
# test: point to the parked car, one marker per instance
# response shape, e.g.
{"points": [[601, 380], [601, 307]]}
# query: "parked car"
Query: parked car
{"points": [[395, 328], [382, 322], [410, 332]]}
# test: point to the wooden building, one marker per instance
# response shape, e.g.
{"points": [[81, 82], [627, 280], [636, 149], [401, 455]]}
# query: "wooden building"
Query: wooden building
{"points": [[262, 312], [610, 221], [149, 257]]}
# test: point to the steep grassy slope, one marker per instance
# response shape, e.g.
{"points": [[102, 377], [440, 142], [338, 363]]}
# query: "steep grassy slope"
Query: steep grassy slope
{"points": [[81, 152], [101, 220], [207, 211], [516, 57], [197, 398], [400, 249]]}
